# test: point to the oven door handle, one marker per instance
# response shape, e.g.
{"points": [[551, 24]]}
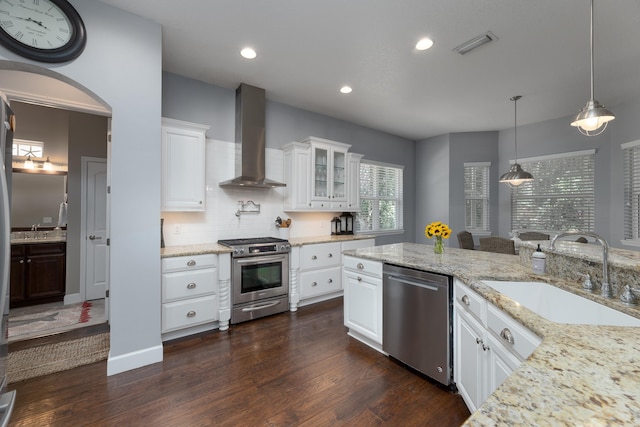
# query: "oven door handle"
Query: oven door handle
{"points": [[261, 306], [257, 260]]}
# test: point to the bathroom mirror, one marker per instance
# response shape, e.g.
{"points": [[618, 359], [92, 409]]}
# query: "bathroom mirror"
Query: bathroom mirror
{"points": [[36, 198]]}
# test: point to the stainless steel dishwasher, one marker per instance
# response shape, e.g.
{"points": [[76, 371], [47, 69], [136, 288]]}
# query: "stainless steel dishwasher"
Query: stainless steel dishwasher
{"points": [[416, 320]]}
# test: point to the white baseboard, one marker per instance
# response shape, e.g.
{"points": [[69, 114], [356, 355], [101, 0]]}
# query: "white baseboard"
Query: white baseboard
{"points": [[72, 299], [133, 360]]}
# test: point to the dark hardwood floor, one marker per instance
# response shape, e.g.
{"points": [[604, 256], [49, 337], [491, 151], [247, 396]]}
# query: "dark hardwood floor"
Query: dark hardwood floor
{"points": [[292, 369]]}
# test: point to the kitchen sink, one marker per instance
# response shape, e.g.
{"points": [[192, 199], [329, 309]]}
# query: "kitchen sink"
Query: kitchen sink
{"points": [[561, 306]]}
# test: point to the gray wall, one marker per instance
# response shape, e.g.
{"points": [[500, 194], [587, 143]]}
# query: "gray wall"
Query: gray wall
{"points": [[121, 67], [198, 102]]}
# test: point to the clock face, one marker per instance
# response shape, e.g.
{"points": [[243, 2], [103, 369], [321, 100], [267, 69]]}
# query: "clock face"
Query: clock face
{"points": [[44, 30]]}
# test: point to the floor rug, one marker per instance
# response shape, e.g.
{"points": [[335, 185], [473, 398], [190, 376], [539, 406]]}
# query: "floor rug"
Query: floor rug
{"points": [[47, 319], [47, 359]]}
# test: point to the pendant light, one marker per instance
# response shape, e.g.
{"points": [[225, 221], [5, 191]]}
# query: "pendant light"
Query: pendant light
{"points": [[28, 164], [516, 176], [593, 118], [47, 165]]}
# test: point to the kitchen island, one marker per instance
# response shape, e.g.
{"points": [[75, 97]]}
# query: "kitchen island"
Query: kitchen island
{"points": [[579, 375]]}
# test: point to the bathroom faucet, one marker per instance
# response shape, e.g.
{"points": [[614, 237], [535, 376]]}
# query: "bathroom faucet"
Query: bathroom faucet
{"points": [[606, 288]]}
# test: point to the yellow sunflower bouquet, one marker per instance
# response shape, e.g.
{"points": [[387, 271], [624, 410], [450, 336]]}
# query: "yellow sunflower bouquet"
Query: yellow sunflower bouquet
{"points": [[439, 231]]}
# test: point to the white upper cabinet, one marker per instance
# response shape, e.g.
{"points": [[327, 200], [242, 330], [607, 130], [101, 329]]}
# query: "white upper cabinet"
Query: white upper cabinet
{"points": [[321, 175], [183, 166]]}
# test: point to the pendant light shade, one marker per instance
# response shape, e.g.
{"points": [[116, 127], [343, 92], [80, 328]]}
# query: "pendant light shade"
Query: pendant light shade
{"points": [[28, 164], [593, 118], [516, 175]]}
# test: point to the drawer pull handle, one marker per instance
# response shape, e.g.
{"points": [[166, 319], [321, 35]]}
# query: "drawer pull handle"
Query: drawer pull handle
{"points": [[191, 314], [330, 255], [191, 263], [478, 341], [485, 347], [465, 300], [314, 257], [507, 336], [330, 280], [191, 285], [360, 266], [314, 284], [359, 279]]}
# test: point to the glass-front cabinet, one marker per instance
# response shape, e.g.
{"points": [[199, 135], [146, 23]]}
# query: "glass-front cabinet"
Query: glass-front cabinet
{"points": [[329, 187], [321, 175]]}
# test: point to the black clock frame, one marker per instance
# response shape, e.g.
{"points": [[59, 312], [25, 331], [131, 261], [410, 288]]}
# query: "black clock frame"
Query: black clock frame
{"points": [[71, 50]]}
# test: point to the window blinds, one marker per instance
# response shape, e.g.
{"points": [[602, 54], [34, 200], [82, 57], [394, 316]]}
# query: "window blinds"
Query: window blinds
{"points": [[381, 201], [631, 191], [561, 196], [476, 196]]}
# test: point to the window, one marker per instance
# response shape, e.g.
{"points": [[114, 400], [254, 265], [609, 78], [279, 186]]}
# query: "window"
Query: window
{"points": [[381, 200], [476, 196], [561, 196], [631, 152], [24, 148]]}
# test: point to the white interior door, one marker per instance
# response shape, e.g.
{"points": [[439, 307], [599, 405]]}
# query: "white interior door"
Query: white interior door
{"points": [[95, 227]]}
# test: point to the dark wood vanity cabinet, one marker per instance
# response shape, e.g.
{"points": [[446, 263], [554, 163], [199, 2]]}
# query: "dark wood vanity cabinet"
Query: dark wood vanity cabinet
{"points": [[38, 273]]}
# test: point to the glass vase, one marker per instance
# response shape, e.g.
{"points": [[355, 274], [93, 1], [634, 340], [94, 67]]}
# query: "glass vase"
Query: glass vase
{"points": [[438, 245]]}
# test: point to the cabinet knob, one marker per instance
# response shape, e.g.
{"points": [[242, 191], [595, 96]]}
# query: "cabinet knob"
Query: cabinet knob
{"points": [[507, 336], [314, 257], [359, 279], [360, 266], [330, 280], [191, 285], [485, 347], [200, 202], [191, 263], [191, 314], [330, 255], [478, 341], [29, 260], [465, 300], [314, 284]]}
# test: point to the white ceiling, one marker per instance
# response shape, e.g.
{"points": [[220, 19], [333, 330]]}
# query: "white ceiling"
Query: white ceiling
{"points": [[308, 49]]}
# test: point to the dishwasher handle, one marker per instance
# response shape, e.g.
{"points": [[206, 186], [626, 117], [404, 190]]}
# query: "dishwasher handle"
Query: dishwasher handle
{"points": [[412, 283]]}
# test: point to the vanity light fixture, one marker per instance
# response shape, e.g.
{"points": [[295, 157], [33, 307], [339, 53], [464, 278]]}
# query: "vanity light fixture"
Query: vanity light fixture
{"points": [[248, 53], [516, 176], [28, 164], [424, 44], [47, 165], [346, 89], [593, 118]]}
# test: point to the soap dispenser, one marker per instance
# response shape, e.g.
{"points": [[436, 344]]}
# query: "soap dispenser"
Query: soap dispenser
{"points": [[539, 261]]}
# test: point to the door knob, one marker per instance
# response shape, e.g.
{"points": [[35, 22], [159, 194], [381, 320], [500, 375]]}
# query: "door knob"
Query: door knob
{"points": [[92, 237]]}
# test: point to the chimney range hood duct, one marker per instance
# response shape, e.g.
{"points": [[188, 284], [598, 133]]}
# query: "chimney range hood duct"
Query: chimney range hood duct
{"points": [[250, 140]]}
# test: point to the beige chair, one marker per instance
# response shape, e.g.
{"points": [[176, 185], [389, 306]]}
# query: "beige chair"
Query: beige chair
{"points": [[499, 245], [533, 235], [465, 240]]}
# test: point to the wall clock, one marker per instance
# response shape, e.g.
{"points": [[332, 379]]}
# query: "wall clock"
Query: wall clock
{"points": [[42, 30]]}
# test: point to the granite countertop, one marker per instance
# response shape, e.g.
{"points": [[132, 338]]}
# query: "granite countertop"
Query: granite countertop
{"points": [[32, 241], [215, 248], [579, 375]]}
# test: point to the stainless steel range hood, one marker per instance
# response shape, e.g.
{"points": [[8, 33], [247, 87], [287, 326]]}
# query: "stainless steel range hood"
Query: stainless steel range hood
{"points": [[250, 140]]}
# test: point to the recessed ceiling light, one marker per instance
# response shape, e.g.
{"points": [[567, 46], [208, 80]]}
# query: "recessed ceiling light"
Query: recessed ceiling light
{"points": [[346, 89], [248, 53], [424, 44]]}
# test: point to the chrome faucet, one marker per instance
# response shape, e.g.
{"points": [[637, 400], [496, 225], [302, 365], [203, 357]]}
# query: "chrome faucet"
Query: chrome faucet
{"points": [[605, 290]]}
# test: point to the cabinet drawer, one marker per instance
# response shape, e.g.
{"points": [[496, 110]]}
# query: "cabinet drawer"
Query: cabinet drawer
{"points": [[523, 341], [363, 266], [319, 256], [195, 311], [470, 301], [315, 283], [186, 284], [188, 262]]}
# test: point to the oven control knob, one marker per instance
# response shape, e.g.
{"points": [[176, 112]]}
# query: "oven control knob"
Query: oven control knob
{"points": [[241, 251]]}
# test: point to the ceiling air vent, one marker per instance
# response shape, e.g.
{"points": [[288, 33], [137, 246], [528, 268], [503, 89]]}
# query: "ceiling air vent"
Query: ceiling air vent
{"points": [[475, 42]]}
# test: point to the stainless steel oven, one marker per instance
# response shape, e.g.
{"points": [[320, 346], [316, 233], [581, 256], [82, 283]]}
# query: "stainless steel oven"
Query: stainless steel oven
{"points": [[259, 277]]}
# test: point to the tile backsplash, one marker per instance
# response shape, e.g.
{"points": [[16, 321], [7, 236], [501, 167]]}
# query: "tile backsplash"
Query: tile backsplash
{"points": [[219, 220]]}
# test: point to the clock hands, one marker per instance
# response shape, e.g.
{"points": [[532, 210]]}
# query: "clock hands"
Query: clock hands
{"points": [[32, 20]]}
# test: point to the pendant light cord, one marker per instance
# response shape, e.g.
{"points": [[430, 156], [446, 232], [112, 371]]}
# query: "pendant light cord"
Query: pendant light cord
{"points": [[515, 122], [591, 46]]}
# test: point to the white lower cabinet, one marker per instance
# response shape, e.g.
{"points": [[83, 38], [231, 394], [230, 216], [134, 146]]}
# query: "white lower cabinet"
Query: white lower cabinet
{"points": [[488, 346], [362, 280], [195, 294]]}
